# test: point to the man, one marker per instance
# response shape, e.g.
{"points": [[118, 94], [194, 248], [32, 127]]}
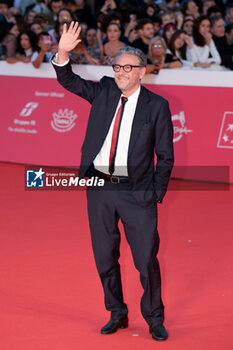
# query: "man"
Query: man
{"points": [[127, 123], [220, 40], [145, 30]]}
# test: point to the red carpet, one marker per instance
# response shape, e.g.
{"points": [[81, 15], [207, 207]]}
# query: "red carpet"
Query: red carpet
{"points": [[50, 294]]}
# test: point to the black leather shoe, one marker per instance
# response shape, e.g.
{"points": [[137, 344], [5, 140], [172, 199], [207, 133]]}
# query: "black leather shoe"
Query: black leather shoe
{"points": [[113, 325], [158, 332]]}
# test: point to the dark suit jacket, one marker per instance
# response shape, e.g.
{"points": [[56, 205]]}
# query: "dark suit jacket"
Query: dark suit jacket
{"points": [[152, 131], [225, 50]]}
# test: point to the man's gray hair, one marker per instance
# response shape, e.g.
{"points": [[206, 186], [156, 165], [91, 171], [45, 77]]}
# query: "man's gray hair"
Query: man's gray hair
{"points": [[214, 19], [128, 50]]}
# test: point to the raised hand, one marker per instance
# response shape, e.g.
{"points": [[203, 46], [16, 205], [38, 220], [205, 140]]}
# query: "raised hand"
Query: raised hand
{"points": [[208, 37], [188, 41], [69, 40]]}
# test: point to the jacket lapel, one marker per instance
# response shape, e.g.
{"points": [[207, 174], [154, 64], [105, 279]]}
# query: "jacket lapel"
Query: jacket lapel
{"points": [[139, 118], [110, 111]]}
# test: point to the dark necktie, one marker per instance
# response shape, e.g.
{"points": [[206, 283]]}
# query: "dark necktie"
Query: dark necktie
{"points": [[115, 135]]}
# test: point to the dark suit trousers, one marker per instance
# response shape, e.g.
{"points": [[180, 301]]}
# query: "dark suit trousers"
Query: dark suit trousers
{"points": [[105, 207]]}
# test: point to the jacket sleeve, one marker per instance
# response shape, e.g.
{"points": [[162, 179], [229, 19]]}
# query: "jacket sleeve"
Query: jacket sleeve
{"points": [[164, 151], [74, 83]]}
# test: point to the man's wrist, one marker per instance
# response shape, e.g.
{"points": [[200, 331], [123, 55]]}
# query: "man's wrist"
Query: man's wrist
{"points": [[62, 56], [55, 61]]}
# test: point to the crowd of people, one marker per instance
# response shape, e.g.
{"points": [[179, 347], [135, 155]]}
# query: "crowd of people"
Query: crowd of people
{"points": [[172, 34]]}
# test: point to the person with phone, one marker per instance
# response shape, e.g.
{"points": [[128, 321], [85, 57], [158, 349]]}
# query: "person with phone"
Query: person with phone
{"points": [[46, 50]]}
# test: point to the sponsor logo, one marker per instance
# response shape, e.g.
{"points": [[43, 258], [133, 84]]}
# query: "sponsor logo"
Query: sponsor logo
{"points": [[63, 120], [28, 109], [22, 125], [35, 178], [179, 127], [225, 139]]}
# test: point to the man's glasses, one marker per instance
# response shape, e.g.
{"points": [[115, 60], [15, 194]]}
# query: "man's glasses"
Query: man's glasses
{"points": [[127, 67], [157, 46]]}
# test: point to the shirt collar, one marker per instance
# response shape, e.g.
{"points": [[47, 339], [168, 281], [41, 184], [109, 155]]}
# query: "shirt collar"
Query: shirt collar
{"points": [[134, 95]]}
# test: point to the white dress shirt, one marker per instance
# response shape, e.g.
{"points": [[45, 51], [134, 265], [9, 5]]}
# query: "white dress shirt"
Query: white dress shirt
{"points": [[101, 161]]}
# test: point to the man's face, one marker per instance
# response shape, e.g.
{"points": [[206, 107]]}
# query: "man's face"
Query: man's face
{"points": [[56, 6], [128, 83], [147, 31], [218, 28]]}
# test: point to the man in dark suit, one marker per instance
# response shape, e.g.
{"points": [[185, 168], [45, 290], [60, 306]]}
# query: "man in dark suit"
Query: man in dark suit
{"points": [[127, 124]]}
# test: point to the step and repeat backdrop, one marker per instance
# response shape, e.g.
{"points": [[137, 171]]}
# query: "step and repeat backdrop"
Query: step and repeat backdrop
{"points": [[43, 124]]}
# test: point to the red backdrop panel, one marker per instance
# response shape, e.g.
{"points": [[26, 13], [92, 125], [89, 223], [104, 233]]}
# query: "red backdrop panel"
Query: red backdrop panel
{"points": [[44, 124]]}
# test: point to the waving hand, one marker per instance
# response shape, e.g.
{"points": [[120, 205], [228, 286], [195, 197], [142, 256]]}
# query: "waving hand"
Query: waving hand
{"points": [[69, 40]]}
